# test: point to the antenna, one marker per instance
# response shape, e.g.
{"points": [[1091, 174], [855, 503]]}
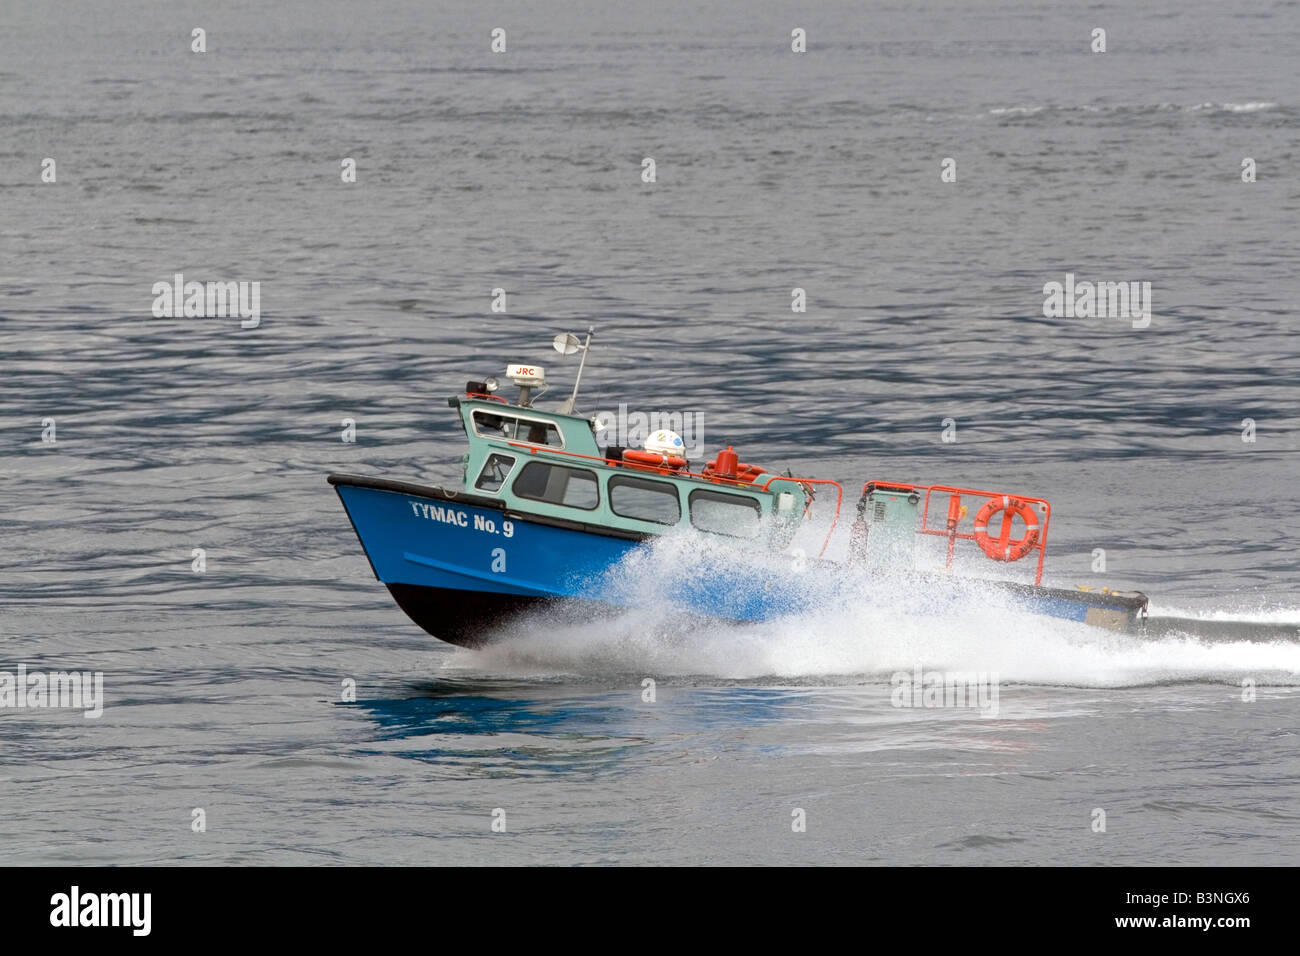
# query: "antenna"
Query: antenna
{"points": [[566, 343]]}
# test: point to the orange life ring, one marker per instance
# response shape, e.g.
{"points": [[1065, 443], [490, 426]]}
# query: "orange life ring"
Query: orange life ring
{"points": [[1003, 548], [653, 459]]}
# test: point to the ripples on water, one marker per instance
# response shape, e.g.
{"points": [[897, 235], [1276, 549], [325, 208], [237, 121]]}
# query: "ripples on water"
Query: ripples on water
{"points": [[775, 171]]}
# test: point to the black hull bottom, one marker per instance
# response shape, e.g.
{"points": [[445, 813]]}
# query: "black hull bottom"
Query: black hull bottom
{"points": [[466, 618], [475, 618]]}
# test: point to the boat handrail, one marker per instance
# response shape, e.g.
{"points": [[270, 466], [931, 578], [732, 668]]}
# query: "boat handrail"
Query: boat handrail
{"points": [[952, 534], [678, 472], [839, 501]]}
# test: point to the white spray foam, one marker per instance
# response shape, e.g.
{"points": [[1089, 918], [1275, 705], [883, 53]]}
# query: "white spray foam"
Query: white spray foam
{"points": [[856, 626]]}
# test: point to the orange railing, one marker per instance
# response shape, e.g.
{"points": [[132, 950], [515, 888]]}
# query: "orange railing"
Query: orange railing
{"points": [[839, 500], [952, 517]]}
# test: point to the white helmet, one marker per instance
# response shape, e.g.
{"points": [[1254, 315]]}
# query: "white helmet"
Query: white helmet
{"points": [[664, 442]]}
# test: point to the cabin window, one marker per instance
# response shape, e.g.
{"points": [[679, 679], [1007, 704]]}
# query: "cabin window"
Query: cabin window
{"points": [[644, 500], [495, 471], [717, 513], [514, 428], [557, 485]]}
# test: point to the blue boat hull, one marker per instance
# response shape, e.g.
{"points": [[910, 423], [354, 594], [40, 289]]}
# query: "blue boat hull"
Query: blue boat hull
{"points": [[461, 566], [458, 565]]}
